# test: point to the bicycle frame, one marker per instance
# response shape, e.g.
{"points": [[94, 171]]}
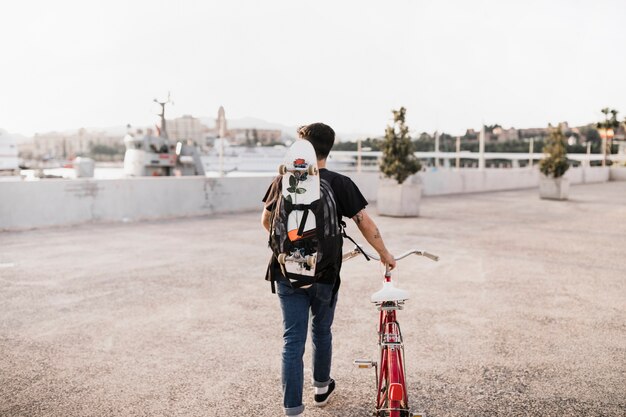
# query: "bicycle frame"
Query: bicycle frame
{"points": [[392, 394]]}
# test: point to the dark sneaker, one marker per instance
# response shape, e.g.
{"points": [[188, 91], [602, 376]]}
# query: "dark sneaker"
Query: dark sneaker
{"points": [[322, 399]]}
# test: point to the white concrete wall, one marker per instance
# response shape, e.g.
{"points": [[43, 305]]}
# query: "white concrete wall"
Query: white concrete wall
{"points": [[31, 204], [471, 180], [441, 182], [28, 204], [587, 175]]}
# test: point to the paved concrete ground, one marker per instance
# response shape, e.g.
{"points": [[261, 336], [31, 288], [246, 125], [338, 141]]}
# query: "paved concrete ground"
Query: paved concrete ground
{"points": [[525, 315]]}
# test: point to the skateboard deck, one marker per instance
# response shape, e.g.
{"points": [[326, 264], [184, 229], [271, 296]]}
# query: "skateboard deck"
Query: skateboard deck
{"points": [[300, 186]]}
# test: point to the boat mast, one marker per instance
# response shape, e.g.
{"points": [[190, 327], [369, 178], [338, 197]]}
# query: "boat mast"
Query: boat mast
{"points": [[163, 132]]}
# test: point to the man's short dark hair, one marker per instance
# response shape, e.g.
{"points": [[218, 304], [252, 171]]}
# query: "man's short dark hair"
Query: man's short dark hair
{"points": [[321, 136]]}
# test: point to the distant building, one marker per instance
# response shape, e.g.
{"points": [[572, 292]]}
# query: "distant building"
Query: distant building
{"points": [[500, 134], [534, 133], [191, 128], [470, 134], [187, 128], [67, 145], [255, 136], [243, 136], [497, 133]]}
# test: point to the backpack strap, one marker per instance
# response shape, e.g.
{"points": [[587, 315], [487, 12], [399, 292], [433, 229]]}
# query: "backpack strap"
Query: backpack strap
{"points": [[344, 234], [269, 274], [289, 207]]}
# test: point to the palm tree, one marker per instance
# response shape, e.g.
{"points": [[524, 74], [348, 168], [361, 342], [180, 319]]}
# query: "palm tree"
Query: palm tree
{"points": [[608, 124]]}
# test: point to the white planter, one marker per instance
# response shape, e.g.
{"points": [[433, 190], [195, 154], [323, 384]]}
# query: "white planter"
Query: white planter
{"points": [[553, 188], [399, 200]]}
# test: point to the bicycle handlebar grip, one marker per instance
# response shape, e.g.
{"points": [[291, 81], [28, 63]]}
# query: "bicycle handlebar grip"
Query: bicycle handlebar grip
{"points": [[431, 256]]}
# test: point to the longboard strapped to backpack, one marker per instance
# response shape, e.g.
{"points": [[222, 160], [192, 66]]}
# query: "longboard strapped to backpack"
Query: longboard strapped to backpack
{"points": [[300, 193]]}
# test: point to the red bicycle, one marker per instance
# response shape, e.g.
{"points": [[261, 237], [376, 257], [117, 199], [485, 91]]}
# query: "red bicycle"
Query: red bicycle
{"points": [[392, 395]]}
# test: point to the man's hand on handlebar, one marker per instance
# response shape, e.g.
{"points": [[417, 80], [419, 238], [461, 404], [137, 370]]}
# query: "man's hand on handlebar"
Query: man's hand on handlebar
{"points": [[387, 259]]}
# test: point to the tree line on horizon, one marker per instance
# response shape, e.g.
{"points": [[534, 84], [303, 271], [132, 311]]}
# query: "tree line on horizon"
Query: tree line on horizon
{"points": [[425, 142]]}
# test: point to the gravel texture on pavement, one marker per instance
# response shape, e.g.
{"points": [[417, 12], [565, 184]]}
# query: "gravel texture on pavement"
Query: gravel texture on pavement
{"points": [[525, 314]]}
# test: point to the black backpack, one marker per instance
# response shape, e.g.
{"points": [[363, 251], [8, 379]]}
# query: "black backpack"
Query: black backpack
{"points": [[325, 243]]}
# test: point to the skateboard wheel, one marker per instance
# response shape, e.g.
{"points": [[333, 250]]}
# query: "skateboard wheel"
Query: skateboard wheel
{"points": [[282, 258], [312, 170], [282, 169], [310, 260]]}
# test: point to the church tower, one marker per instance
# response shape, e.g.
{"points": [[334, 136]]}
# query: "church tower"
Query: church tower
{"points": [[220, 123]]}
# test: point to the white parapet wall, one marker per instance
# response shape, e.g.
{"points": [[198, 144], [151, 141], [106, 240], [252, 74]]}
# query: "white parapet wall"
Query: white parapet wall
{"points": [[54, 202], [57, 202], [471, 180], [447, 181]]}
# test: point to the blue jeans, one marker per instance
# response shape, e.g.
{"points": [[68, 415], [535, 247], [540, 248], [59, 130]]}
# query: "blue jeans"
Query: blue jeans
{"points": [[296, 305]]}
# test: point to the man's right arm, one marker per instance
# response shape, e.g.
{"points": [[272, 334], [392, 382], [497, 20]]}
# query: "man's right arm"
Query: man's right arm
{"points": [[371, 233]]}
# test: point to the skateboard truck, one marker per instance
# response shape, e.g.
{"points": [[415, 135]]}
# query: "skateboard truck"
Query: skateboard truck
{"points": [[310, 169], [296, 257]]}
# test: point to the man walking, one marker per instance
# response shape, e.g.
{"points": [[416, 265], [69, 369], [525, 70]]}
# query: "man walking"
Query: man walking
{"points": [[319, 299]]}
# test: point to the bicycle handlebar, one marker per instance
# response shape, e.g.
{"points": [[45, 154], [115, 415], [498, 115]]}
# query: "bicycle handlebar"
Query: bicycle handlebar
{"points": [[357, 251]]}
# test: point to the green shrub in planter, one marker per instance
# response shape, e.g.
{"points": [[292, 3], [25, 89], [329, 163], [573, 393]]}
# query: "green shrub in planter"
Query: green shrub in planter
{"points": [[554, 164], [398, 161]]}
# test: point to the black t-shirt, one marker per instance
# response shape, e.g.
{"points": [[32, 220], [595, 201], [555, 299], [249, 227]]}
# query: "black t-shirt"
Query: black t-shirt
{"points": [[349, 202]]}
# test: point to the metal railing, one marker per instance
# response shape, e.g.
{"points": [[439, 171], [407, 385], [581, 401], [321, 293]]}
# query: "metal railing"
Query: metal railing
{"points": [[371, 158]]}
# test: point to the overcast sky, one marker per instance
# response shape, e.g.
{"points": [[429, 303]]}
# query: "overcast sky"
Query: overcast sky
{"points": [[453, 64]]}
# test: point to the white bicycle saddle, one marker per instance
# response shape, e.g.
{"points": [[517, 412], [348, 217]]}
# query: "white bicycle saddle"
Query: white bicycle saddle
{"points": [[389, 293]]}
